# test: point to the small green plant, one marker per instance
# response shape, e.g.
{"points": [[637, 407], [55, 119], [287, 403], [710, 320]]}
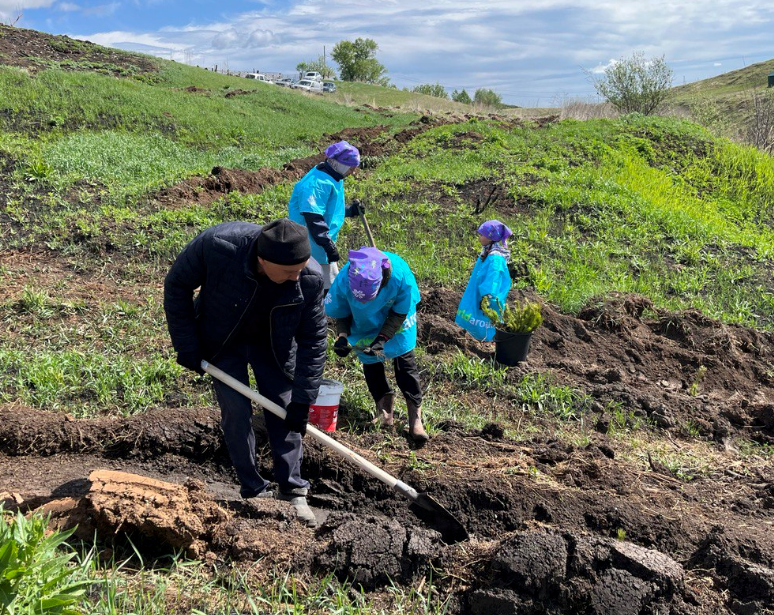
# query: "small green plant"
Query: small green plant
{"points": [[520, 317], [36, 571], [691, 428], [37, 170], [620, 534], [693, 390], [415, 463]]}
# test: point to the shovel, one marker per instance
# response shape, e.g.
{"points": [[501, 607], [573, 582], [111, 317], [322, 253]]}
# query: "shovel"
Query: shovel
{"points": [[425, 507], [368, 230]]}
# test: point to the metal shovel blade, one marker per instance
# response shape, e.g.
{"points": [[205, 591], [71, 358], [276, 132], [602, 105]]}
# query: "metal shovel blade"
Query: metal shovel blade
{"points": [[434, 514]]}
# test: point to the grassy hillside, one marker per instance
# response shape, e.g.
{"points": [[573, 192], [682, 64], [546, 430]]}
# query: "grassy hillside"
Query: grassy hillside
{"points": [[725, 103], [649, 206], [728, 85], [349, 93]]}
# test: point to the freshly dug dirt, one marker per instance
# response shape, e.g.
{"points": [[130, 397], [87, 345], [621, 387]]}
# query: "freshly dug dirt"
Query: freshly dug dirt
{"points": [[537, 545], [615, 354], [221, 181]]}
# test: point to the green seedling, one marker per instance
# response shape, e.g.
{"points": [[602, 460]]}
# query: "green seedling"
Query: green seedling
{"points": [[519, 317], [693, 390]]}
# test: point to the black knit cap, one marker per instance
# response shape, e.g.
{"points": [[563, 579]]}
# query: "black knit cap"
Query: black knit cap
{"points": [[283, 242]]}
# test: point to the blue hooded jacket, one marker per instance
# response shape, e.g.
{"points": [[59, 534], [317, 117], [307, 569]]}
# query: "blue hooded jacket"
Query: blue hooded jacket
{"points": [[400, 294], [490, 277]]}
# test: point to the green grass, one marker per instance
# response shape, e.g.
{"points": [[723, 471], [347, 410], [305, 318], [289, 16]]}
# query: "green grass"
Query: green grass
{"points": [[652, 206], [644, 205], [39, 573]]}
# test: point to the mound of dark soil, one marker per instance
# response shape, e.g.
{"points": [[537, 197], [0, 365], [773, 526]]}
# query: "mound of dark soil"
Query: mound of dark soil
{"points": [[681, 371], [32, 50]]}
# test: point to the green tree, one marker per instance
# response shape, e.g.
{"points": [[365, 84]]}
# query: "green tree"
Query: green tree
{"points": [[318, 65], [431, 89], [635, 84], [461, 97], [488, 98], [357, 61]]}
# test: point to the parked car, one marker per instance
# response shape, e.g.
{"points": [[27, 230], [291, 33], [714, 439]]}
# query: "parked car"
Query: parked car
{"points": [[285, 82], [313, 75], [258, 77], [329, 86], [308, 85]]}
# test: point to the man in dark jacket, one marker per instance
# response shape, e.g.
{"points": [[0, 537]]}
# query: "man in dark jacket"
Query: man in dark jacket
{"points": [[259, 304]]}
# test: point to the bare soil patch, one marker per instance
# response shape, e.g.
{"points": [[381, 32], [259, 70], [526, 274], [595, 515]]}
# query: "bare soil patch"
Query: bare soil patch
{"points": [[32, 50], [371, 142]]}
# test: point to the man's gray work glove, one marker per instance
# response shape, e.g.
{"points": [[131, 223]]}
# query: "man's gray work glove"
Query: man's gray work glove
{"points": [[297, 417]]}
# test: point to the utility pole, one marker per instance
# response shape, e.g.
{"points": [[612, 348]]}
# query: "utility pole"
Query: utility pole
{"points": [[325, 65]]}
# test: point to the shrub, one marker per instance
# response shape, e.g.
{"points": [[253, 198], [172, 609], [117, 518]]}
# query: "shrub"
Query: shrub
{"points": [[635, 85], [488, 98], [431, 89]]}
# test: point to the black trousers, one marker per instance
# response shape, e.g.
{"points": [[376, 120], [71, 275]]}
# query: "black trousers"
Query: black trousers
{"points": [[406, 375], [236, 412]]}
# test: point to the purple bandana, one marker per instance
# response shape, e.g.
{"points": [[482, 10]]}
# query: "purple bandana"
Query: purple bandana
{"points": [[365, 273], [343, 152], [495, 230]]}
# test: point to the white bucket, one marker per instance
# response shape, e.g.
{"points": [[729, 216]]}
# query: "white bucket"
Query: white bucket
{"points": [[324, 412]]}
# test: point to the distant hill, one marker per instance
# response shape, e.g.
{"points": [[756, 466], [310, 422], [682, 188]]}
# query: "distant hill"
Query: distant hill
{"points": [[725, 103], [34, 51], [731, 84]]}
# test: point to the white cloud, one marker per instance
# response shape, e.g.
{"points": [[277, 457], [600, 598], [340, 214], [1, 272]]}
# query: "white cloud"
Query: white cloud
{"points": [[12, 11], [68, 7], [20, 5], [530, 48], [226, 39], [260, 38], [102, 10]]}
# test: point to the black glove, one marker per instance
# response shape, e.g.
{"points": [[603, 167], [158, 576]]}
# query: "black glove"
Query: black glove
{"points": [[356, 208], [297, 417], [191, 360], [332, 253], [342, 347], [376, 346]]}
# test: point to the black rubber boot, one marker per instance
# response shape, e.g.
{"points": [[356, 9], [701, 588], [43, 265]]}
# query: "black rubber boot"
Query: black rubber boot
{"points": [[384, 409], [416, 430]]}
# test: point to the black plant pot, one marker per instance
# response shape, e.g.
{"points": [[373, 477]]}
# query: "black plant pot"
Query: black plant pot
{"points": [[511, 348]]}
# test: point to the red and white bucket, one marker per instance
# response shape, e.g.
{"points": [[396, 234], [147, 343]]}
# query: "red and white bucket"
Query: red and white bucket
{"points": [[324, 412]]}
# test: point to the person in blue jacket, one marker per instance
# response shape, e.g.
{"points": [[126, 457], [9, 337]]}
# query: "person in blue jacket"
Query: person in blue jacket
{"points": [[374, 301], [317, 202], [490, 278]]}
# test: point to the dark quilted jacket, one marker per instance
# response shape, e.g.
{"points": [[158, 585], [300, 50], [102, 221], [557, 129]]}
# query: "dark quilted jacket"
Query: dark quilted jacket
{"points": [[221, 263]]}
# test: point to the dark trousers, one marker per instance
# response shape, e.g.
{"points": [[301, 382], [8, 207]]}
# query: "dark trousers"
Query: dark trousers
{"points": [[236, 412], [406, 375]]}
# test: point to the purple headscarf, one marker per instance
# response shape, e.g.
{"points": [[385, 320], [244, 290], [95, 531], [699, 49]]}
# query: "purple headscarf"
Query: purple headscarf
{"points": [[343, 152], [495, 230], [365, 272]]}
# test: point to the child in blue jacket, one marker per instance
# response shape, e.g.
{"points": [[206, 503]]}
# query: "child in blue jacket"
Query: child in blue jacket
{"points": [[490, 278]]}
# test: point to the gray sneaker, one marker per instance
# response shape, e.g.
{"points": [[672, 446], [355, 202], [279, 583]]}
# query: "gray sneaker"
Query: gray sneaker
{"points": [[303, 511]]}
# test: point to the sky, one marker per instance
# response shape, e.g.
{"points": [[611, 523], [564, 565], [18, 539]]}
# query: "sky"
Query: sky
{"points": [[531, 52]]}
